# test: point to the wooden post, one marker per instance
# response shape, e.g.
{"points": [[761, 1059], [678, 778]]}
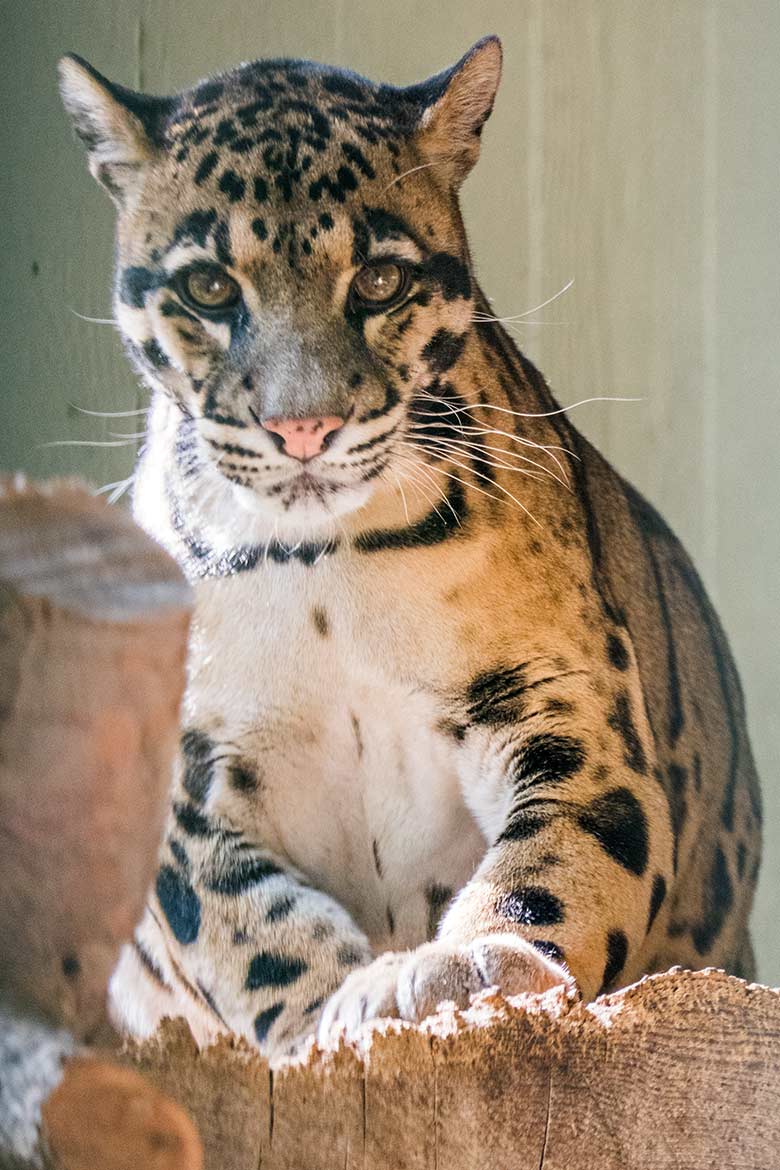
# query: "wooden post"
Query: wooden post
{"points": [[93, 629], [679, 1071]]}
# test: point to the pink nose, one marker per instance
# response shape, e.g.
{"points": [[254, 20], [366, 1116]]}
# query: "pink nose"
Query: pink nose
{"points": [[303, 438]]}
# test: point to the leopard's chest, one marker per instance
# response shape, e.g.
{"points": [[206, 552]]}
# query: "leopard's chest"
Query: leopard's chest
{"points": [[358, 781]]}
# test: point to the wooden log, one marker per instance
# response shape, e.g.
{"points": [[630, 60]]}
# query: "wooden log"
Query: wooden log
{"points": [[93, 630], [93, 626], [678, 1072]]}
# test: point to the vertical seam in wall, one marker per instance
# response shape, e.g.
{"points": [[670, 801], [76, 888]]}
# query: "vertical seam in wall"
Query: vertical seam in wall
{"points": [[535, 139], [140, 46], [709, 299]]}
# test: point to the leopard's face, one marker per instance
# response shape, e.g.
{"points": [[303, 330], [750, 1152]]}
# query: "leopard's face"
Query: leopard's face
{"points": [[293, 274]]}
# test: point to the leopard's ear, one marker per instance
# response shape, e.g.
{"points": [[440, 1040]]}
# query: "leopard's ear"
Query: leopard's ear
{"points": [[456, 104], [120, 128]]}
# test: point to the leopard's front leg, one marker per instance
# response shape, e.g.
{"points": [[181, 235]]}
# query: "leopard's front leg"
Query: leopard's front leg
{"points": [[233, 938], [558, 768]]}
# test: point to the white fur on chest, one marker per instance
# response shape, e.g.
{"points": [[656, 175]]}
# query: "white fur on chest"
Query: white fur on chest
{"points": [[359, 787]]}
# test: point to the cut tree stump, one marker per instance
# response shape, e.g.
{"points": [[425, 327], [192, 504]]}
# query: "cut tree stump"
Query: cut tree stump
{"points": [[93, 632], [678, 1072]]}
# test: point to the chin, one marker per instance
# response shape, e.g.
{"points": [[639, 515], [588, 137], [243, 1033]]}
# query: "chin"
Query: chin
{"points": [[297, 512]]}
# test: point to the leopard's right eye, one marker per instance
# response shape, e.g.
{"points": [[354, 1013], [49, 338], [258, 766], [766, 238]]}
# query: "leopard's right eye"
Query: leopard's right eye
{"points": [[209, 288]]}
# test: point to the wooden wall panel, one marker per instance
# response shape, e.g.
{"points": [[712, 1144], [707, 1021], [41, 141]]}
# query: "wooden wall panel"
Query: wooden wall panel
{"points": [[633, 149]]}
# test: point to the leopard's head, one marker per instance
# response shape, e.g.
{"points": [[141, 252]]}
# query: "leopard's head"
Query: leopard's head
{"points": [[292, 269]]}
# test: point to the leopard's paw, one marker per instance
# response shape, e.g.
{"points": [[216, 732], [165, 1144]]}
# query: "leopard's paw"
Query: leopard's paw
{"points": [[442, 972], [411, 985], [368, 993]]}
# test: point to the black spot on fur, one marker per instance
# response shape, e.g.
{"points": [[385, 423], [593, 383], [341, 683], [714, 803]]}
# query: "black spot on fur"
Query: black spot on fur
{"points": [[720, 899], [226, 131], [260, 229], [173, 309], [242, 875], [71, 967], [531, 906], [617, 653], [547, 759], [439, 525], [550, 949], [206, 166], [355, 155], [192, 822], [443, 350], [232, 185], [438, 898], [272, 970], [280, 909], [450, 273], [618, 822], [320, 620], [207, 91], [222, 242], [358, 734], [391, 400], [337, 188], [384, 225], [741, 858], [261, 189], [377, 858], [243, 777], [196, 750], [617, 953], [195, 226], [559, 707], [524, 824], [495, 697], [326, 221], [343, 87], [349, 957], [622, 721], [179, 903], [656, 900], [678, 807], [265, 1020], [135, 283], [149, 965], [154, 354], [179, 853]]}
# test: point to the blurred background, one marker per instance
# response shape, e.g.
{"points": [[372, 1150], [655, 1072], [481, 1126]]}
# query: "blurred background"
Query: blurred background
{"points": [[634, 150]]}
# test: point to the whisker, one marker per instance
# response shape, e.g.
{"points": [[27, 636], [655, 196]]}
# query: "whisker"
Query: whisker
{"points": [[528, 312], [548, 448], [466, 448], [109, 413], [481, 475], [87, 443], [436, 487], [550, 413], [117, 489], [94, 320], [422, 166], [403, 499]]}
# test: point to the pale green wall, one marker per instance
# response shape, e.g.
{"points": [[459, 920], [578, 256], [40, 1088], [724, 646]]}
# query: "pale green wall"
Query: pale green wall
{"points": [[634, 147]]}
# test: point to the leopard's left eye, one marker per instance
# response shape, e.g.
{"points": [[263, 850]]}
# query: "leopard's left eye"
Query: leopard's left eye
{"points": [[380, 284], [209, 288]]}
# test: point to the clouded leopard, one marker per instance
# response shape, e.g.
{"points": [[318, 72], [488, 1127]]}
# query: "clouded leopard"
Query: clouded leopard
{"points": [[459, 711]]}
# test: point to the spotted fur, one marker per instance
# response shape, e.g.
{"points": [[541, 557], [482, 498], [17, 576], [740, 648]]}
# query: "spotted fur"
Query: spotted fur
{"points": [[447, 723]]}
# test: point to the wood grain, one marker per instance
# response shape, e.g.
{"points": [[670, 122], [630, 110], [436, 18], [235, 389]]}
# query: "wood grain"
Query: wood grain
{"points": [[678, 1072]]}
